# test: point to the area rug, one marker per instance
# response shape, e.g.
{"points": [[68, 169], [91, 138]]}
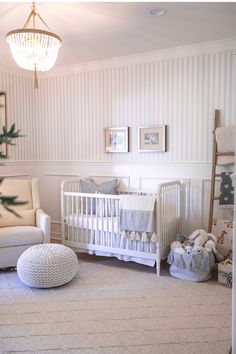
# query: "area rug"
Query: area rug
{"points": [[115, 307]]}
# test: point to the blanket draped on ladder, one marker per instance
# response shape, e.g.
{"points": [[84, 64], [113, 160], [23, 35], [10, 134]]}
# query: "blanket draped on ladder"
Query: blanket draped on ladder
{"points": [[225, 139], [137, 217]]}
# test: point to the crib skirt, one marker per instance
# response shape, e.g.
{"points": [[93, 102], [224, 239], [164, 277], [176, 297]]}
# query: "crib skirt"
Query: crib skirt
{"points": [[114, 240]]}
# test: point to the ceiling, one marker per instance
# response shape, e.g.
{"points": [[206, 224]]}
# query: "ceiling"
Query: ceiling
{"points": [[93, 31]]}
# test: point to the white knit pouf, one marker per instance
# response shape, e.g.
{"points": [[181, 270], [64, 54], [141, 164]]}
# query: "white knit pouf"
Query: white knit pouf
{"points": [[47, 265]]}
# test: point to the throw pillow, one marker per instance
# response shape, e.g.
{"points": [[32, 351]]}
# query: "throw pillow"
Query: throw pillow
{"points": [[86, 186]]}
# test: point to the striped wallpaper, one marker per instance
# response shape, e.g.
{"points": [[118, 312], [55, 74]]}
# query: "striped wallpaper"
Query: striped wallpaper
{"points": [[64, 119]]}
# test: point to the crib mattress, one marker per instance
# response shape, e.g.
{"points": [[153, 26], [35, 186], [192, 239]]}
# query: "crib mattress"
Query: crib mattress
{"points": [[91, 222]]}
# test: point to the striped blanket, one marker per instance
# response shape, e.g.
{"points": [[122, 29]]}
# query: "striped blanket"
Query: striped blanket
{"points": [[137, 217]]}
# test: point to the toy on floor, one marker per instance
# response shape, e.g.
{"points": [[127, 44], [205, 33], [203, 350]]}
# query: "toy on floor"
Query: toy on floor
{"points": [[181, 237], [193, 257], [199, 242], [200, 250], [177, 247]]}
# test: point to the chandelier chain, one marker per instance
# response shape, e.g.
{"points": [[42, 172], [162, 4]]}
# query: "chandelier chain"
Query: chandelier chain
{"points": [[32, 15], [44, 22]]}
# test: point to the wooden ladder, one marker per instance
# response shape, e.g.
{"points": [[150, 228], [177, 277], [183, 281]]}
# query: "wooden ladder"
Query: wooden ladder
{"points": [[214, 175]]}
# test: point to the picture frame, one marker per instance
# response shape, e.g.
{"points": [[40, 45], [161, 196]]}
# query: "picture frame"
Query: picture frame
{"points": [[3, 119], [116, 139], [152, 139]]}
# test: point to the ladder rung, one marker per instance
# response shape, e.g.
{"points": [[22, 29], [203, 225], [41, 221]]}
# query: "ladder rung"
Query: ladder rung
{"points": [[217, 175], [225, 153], [216, 198]]}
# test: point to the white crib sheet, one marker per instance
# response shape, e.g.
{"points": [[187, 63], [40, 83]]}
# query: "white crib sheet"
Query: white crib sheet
{"points": [[90, 222]]}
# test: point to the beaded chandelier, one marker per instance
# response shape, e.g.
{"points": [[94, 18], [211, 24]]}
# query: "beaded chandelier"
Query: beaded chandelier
{"points": [[34, 49]]}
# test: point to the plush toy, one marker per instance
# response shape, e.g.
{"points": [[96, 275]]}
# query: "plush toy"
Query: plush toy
{"points": [[212, 237], [210, 246], [200, 251], [199, 237], [220, 254], [188, 243], [180, 250], [177, 247], [188, 249], [196, 233], [181, 238], [175, 244]]}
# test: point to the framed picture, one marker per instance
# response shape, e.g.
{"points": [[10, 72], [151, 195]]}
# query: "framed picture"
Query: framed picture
{"points": [[116, 139], [152, 138], [3, 119]]}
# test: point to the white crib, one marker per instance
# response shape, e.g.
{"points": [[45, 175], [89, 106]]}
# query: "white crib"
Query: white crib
{"points": [[90, 223]]}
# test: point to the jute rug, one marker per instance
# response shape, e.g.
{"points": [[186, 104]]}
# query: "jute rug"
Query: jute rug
{"points": [[115, 307]]}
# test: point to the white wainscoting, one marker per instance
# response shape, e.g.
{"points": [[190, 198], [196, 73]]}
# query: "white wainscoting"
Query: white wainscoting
{"points": [[52, 199], [194, 202]]}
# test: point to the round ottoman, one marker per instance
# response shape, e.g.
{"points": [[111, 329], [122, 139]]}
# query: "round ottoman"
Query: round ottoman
{"points": [[47, 265]]}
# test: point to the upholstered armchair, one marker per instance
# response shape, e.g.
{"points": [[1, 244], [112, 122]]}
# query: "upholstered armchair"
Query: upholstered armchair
{"points": [[31, 228]]}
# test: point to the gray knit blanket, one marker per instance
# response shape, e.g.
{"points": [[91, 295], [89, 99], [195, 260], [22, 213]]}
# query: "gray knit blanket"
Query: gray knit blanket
{"points": [[137, 213]]}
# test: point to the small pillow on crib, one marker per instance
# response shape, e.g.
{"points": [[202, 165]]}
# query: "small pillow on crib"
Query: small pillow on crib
{"points": [[87, 186]]}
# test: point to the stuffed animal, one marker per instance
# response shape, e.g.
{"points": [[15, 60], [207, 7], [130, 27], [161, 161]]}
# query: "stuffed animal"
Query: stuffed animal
{"points": [[200, 251], [179, 250], [220, 254], [188, 243], [199, 237], [212, 237], [175, 244], [177, 247], [196, 233], [210, 246], [181, 237], [188, 249]]}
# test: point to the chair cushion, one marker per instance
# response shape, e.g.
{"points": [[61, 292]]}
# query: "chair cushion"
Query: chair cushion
{"points": [[21, 189], [20, 235], [27, 218]]}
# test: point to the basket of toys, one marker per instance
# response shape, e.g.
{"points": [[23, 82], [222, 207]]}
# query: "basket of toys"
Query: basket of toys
{"points": [[193, 257]]}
